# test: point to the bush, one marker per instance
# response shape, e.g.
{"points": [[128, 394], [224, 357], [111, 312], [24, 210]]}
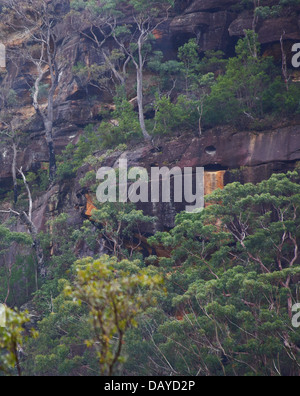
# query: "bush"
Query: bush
{"points": [[280, 101], [179, 116], [124, 127], [74, 156], [247, 88]]}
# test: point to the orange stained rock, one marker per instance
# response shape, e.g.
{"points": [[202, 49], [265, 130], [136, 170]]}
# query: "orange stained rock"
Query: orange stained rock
{"points": [[45, 166], [296, 76], [89, 205], [158, 34], [213, 181], [179, 316]]}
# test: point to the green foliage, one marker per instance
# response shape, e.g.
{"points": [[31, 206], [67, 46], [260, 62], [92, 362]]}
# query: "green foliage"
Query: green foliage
{"points": [[43, 91], [8, 97], [73, 156], [172, 117], [166, 73], [190, 76], [60, 350], [189, 55], [123, 125], [195, 81], [89, 178], [116, 129], [101, 76], [17, 278], [122, 228], [11, 339], [232, 272], [59, 246], [278, 100], [213, 62], [8, 237], [250, 89], [242, 87], [150, 6], [264, 10], [11, 98], [59, 252], [231, 281], [18, 281], [38, 182], [116, 293], [275, 11], [62, 246], [88, 319]]}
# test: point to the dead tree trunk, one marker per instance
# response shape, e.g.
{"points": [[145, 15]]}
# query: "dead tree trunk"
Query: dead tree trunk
{"points": [[146, 24], [47, 121], [11, 133], [14, 171], [51, 149], [140, 100], [36, 244], [48, 114], [26, 219], [285, 72]]}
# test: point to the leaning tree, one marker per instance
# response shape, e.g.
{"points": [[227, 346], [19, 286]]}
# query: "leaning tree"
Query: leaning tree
{"points": [[132, 25], [34, 21]]}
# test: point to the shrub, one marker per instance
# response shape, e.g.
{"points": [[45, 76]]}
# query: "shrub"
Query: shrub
{"points": [[171, 117], [124, 128]]}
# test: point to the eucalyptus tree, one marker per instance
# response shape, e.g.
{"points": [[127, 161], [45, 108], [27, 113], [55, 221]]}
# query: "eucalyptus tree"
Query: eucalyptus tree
{"points": [[11, 340], [92, 21], [132, 26], [35, 21], [233, 280], [135, 40], [9, 130], [26, 218]]}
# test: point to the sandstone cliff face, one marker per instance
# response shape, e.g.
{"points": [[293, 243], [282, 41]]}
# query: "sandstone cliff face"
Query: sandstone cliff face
{"points": [[226, 155], [217, 26]]}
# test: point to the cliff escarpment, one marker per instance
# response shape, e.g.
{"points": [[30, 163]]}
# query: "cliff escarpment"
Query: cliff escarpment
{"points": [[119, 118], [240, 155]]}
